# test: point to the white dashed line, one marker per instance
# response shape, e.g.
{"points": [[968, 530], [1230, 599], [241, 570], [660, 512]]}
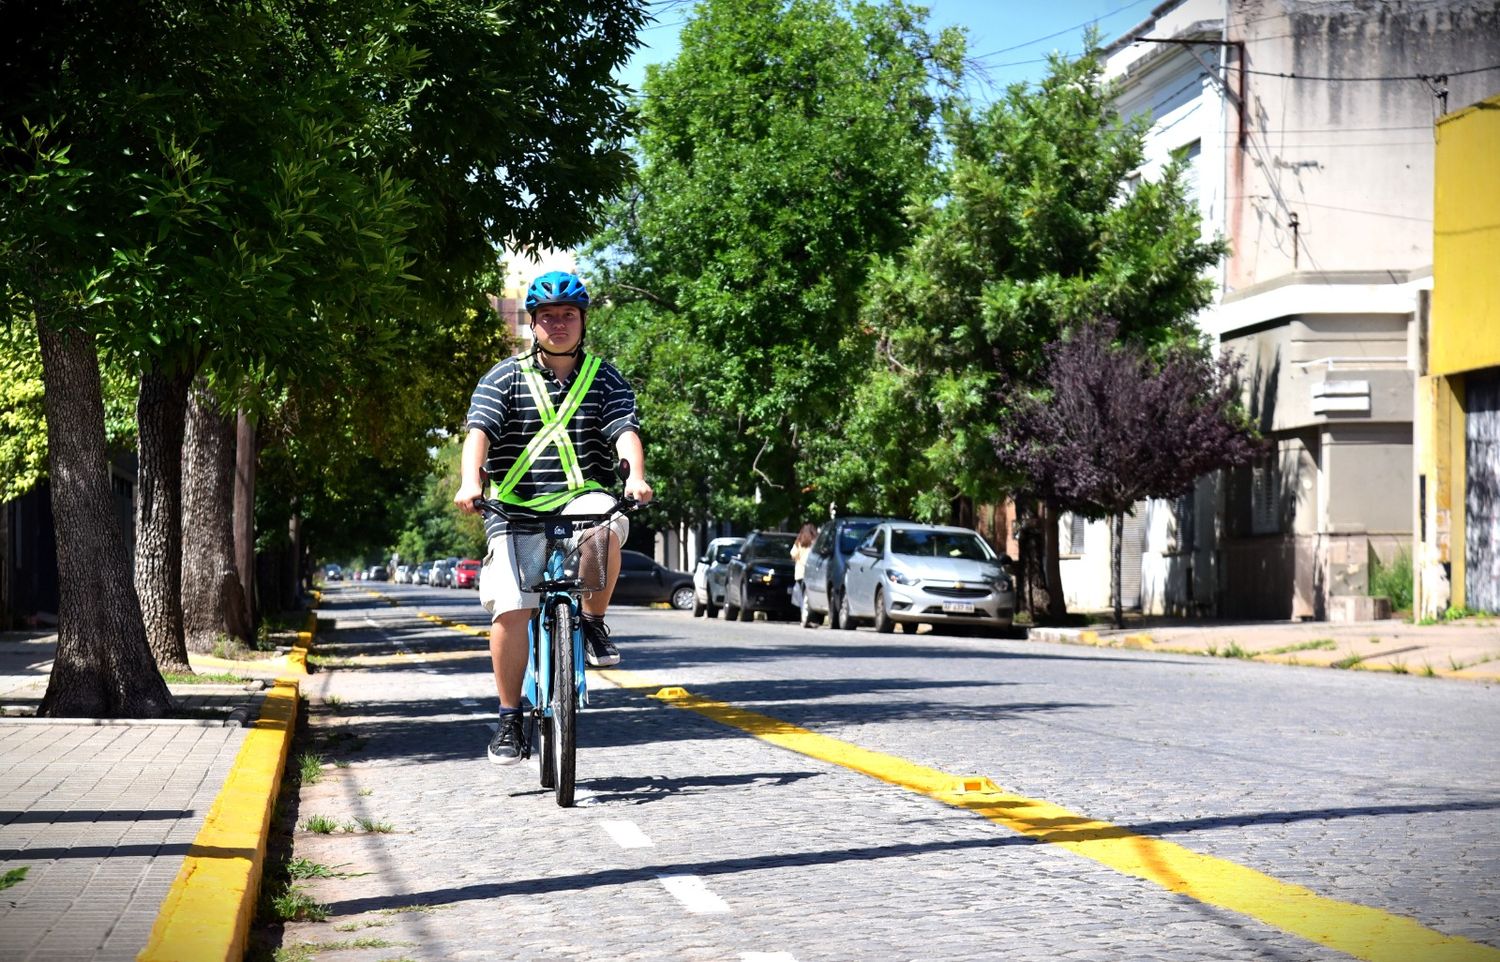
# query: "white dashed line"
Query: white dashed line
{"points": [[693, 893], [627, 834], [469, 703]]}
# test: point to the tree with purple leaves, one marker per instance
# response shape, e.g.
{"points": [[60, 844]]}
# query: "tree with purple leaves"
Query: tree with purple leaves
{"points": [[1112, 424]]}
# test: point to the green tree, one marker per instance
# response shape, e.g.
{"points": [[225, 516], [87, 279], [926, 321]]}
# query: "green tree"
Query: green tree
{"points": [[1035, 231], [222, 189], [777, 151]]}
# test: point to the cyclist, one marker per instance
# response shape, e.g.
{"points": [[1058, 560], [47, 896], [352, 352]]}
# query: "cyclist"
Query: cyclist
{"points": [[547, 428]]}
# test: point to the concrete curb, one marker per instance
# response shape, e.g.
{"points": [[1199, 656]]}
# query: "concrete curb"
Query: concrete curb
{"points": [[1142, 641], [207, 913]]}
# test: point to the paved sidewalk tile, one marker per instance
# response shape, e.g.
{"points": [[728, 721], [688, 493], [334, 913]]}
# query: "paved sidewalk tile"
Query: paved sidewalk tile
{"points": [[101, 818]]}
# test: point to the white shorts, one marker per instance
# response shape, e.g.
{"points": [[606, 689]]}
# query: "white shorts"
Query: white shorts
{"points": [[500, 580]]}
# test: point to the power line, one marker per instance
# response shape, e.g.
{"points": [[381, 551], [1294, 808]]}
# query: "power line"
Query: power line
{"points": [[1050, 36], [1386, 79]]}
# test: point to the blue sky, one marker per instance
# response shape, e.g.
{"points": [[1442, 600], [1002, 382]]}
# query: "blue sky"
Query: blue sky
{"points": [[1011, 38]]}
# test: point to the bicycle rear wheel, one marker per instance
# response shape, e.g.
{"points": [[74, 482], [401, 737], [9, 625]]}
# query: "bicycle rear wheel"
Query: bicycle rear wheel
{"points": [[563, 731]]}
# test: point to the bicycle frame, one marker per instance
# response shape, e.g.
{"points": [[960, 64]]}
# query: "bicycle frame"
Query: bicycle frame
{"points": [[537, 687]]}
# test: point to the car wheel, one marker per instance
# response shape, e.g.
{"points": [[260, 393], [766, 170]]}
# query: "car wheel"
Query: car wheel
{"points": [[710, 610], [731, 610], [834, 604], [745, 614], [846, 620], [684, 598], [883, 622], [698, 607]]}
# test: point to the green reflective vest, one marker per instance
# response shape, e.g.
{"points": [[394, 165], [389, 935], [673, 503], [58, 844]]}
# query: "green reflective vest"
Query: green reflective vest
{"points": [[553, 434]]}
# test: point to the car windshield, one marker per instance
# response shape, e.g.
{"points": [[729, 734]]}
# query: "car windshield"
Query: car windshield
{"points": [[726, 554], [778, 546], [852, 535], [939, 544]]}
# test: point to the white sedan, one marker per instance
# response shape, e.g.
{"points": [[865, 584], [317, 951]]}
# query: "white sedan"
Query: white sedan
{"points": [[904, 573]]}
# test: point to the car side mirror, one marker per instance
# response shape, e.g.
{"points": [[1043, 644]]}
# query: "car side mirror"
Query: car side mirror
{"points": [[1006, 561], [869, 550]]}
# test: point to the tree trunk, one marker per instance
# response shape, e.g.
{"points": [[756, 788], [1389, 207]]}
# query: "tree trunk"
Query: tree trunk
{"points": [[244, 513], [292, 598], [160, 413], [1117, 536], [1057, 602], [103, 667], [1036, 524], [213, 603]]}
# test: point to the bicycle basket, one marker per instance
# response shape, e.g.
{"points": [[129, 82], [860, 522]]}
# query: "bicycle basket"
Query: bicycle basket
{"points": [[585, 545]]}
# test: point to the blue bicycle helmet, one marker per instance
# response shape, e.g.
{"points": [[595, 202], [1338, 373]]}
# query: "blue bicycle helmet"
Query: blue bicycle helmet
{"points": [[556, 287]]}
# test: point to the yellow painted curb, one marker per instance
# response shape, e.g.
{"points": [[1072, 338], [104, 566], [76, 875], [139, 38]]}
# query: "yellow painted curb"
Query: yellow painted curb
{"points": [[1357, 930], [207, 912]]}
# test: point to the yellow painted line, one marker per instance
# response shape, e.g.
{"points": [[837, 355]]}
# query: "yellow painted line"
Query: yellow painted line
{"points": [[1357, 930], [207, 912]]}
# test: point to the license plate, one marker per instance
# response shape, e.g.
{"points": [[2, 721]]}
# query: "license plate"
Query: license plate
{"points": [[959, 607]]}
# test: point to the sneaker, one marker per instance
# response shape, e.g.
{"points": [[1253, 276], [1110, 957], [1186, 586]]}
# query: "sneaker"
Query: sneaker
{"points": [[509, 744], [598, 650]]}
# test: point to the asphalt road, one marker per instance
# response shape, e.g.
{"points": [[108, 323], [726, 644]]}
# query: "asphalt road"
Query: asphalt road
{"points": [[1141, 806]]}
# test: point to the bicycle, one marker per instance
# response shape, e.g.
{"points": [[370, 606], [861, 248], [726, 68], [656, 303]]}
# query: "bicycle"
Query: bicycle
{"points": [[556, 686]]}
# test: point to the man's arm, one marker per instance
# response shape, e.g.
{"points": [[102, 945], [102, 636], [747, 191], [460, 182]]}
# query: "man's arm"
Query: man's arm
{"points": [[628, 447], [471, 484]]}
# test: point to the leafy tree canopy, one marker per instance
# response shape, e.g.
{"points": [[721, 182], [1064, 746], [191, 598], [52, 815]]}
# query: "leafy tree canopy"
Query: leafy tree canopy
{"points": [[777, 152], [1034, 232]]}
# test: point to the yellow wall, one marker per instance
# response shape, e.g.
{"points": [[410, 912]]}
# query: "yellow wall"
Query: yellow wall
{"points": [[1464, 331]]}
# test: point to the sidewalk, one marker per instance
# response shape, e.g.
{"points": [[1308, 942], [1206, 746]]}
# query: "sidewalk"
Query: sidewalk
{"points": [[99, 816], [1467, 649]]}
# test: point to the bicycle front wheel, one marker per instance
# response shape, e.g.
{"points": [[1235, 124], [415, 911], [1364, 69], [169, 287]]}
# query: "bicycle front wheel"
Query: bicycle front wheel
{"points": [[563, 754]]}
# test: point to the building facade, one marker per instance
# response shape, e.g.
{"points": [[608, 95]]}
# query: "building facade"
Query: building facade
{"points": [[1306, 131], [1457, 490]]}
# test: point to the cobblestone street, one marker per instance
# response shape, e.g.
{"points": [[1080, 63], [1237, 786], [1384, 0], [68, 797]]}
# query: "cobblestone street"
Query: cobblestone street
{"points": [[693, 840]]}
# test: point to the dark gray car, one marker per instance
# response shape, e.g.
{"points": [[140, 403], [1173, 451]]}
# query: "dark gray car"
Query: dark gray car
{"points": [[826, 563]]}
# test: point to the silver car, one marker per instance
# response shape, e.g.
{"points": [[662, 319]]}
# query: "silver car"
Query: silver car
{"points": [[904, 573], [710, 575]]}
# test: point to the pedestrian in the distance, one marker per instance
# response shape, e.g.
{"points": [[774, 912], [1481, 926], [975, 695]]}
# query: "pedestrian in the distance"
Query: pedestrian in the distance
{"points": [[547, 427], [801, 548]]}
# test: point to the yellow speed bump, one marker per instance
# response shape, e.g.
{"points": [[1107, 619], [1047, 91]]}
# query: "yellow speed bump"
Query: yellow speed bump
{"points": [[1356, 930]]}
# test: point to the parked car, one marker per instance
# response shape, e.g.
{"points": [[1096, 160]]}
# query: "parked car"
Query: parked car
{"points": [[333, 573], [422, 573], [379, 573], [466, 573], [644, 582], [448, 565], [905, 573], [760, 577], [438, 576], [824, 572], [710, 573]]}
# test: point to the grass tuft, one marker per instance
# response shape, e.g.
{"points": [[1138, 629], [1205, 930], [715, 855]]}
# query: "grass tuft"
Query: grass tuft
{"points": [[13, 877], [379, 827], [303, 868], [311, 766], [362, 924], [1317, 644], [321, 824], [205, 678], [1348, 662], [292, 904]]}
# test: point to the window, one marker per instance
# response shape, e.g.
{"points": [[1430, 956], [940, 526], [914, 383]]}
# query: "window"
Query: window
{"points": [[1183, 510], [1265, 498], [1188, 154], [1076, 526], [850, 537], [917, 543]]}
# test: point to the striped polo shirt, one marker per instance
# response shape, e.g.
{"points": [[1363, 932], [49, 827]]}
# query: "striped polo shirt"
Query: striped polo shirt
{"points": [[502, 407]]}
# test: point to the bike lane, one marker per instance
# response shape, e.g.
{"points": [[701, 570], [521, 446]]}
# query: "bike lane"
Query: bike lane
{"points": [[694, 840]]}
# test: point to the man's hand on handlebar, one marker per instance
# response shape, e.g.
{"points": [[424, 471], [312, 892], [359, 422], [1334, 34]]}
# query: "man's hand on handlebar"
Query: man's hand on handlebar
{"points": [[466, 494], [639, 489]]}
